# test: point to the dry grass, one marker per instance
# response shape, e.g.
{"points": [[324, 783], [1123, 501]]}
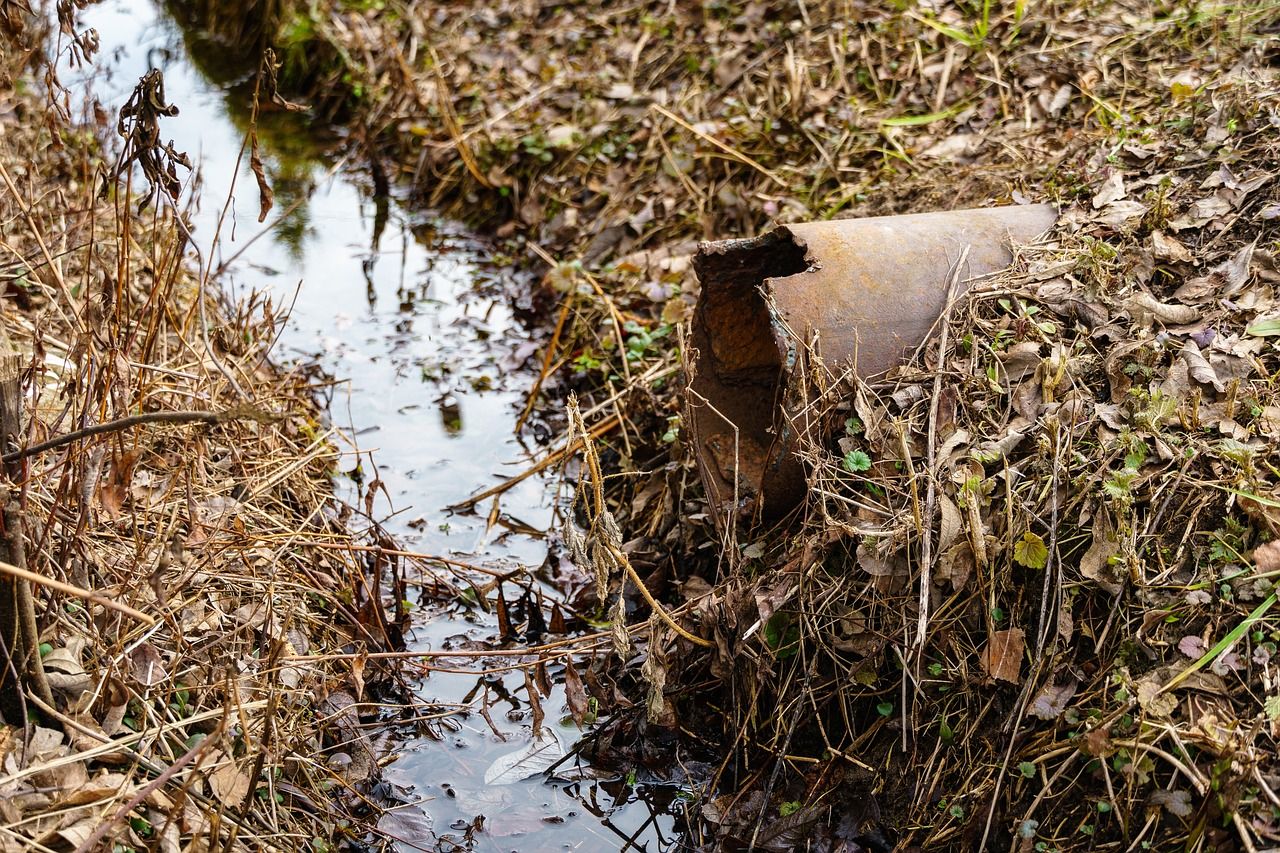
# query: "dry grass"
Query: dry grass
{"points": [[201, 697], [1091, 460]]}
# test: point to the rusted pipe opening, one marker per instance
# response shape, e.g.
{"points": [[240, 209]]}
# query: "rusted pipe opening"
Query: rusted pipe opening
{"points": [[741, 356], [867, 290], [733, 311]]}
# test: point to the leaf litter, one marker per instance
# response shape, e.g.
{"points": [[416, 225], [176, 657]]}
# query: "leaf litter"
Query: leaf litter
{"points": [[1106, 405]]}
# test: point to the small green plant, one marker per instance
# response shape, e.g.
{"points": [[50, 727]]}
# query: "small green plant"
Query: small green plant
{"points": [[789, 808], [639, 339], [976, 36], [1031, 551], [856, 462], [782, 635]]}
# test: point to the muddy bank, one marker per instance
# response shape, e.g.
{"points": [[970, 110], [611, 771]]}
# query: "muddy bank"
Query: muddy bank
{"points": [[1027, 600]]}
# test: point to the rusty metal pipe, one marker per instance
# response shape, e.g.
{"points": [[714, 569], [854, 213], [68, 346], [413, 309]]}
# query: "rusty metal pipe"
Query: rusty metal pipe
{"points": [[865, 290]]}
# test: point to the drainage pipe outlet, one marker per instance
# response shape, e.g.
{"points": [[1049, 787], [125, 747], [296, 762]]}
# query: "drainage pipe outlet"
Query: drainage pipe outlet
{"points": [[861, 291]]}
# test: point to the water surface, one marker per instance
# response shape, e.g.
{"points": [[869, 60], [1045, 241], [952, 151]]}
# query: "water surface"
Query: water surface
{"points": [[430, 369]]}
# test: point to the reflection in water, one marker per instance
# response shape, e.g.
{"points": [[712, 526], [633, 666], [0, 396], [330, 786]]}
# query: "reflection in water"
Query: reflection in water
{"points": [[451, 414], [430, 372]]}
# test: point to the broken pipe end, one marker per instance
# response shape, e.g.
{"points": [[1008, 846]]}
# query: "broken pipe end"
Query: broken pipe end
{"points": [[865, 290]]}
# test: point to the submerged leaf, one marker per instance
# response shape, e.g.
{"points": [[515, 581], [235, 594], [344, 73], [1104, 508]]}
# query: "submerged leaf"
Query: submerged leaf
{"points": [[541, 753]]}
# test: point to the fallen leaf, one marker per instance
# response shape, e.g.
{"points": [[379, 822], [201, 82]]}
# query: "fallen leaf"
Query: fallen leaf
{"points": [[956, 565], [409, 825], [1002, 658], [1020, 360], [229, 784], [1096, 564], [871, 562], [575, 693], [1267, 557], [542, 751], [1200, 369], [1168, 249], [1221, 281], [1152, 697], [949, 522], [1176, 803], [1144, 308], [1112, 190], [1052, 700]]}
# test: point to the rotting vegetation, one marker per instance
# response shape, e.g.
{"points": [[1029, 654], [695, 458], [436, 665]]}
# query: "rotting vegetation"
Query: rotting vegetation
{"points": [[1028, 603], [201, 610]]}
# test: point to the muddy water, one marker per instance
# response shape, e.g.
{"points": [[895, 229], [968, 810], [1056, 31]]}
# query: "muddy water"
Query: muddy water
{"points": [[430, 370]]}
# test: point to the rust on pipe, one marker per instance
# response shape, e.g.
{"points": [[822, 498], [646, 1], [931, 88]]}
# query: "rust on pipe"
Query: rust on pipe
{"points": [[866, 290]]}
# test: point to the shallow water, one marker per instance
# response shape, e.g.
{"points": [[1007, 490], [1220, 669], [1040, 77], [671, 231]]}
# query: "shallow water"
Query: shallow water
{"points": [[431, 369]]}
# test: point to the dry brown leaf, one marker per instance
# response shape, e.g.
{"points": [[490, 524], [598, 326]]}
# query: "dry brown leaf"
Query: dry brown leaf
{"points": [[1168, 249], [148, 666], [880, 566], [1052, 700], [1222, 281], [1020, 360], [1096, 564], [1267, 557], [1200, 369], [575, 693], [949, 522], [229, 783], [1112, 189], [1145, 308], [956, 565], [1002, 658]]}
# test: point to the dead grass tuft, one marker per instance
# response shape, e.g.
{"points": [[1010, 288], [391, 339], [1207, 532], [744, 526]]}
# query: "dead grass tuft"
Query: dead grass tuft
{"points": [[1029, 601], [203, 621]]}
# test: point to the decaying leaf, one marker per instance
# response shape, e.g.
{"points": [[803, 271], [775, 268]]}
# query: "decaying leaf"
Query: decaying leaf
{"points": [[1222, 281], [229, 783], [1112, 189], [575, 693], [871, 561], [956, 565], [409, 824], [1052, 700], [1200, 369], [1176, 802], [539, 755], [1267, 557], [1145, 308], [948, 523], [148, 665], [1152, 697], [1002, 657], [1097, 564]]}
